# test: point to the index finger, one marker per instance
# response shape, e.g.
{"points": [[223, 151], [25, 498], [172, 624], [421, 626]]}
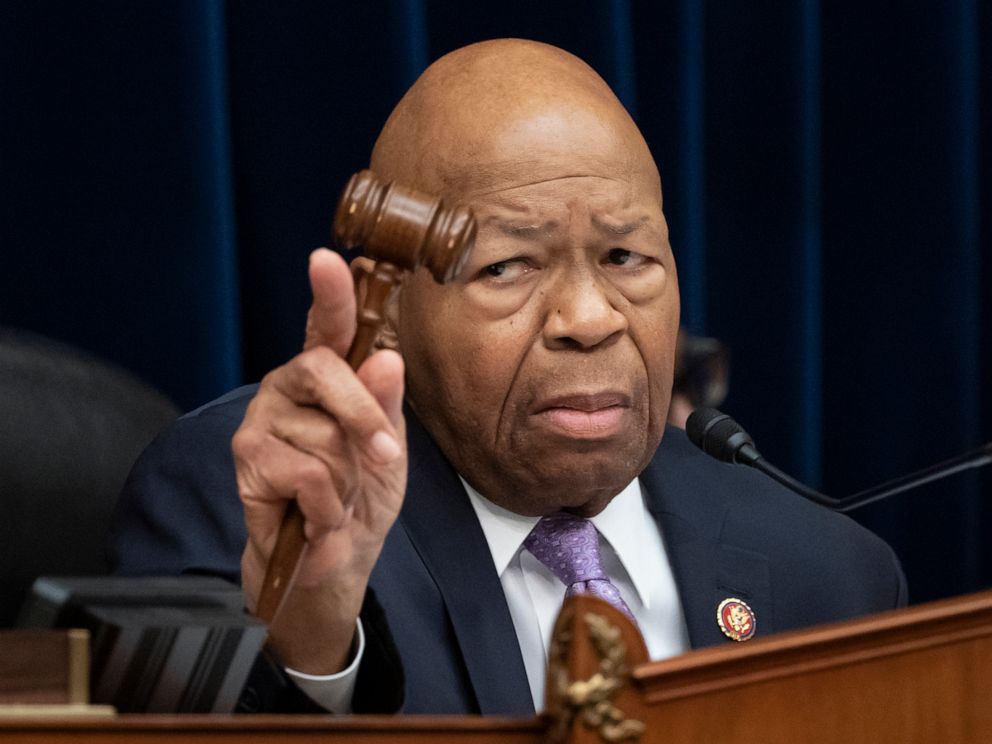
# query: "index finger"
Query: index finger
{"points": [[322, 379], [331, 319]]}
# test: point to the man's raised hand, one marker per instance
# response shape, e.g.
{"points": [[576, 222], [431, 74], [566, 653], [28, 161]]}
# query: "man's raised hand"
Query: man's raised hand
{"points": [[334, 440]]}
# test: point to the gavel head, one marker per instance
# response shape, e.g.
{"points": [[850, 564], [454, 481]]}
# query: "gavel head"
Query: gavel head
{"points": [[407, 228]]}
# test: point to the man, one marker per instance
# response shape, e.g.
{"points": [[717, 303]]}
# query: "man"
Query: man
{"points": [[536, 384]]}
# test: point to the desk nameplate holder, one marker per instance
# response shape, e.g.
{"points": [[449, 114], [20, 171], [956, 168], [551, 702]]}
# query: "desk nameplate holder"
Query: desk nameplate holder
{"points": [[157, 644]]}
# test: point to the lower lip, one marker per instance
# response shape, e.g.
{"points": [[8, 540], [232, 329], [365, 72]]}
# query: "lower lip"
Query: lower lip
{"points": [[603, 422]]}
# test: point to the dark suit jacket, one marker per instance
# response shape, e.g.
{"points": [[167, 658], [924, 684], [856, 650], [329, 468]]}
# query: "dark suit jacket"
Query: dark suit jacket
{"points": [[730, 532]]}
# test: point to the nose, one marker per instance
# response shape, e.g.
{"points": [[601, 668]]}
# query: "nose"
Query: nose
{"points": [[583, 312]]}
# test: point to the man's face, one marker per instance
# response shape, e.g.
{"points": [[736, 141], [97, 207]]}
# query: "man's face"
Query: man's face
{"points": [[545, 370]]}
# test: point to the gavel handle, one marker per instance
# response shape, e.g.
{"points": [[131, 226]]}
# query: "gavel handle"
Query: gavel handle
{"points": [[291, 541], [283, 563]]}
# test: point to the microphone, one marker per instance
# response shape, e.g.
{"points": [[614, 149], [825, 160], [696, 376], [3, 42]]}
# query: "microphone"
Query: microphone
{"points": [[719, 436]]}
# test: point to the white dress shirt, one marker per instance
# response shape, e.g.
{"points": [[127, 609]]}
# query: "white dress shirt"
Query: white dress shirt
{"points": [[634, 558]]}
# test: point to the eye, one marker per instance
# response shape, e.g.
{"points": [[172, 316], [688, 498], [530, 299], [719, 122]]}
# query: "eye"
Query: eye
{"points": [[627, 259], [504, 272], [618, 256]]}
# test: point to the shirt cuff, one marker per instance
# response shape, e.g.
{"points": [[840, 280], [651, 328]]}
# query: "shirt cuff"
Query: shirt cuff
{"points": [[333, 692]]}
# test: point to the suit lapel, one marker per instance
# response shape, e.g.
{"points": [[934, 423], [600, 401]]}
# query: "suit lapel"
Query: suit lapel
{"points": [[696, 519], [443, 527]]}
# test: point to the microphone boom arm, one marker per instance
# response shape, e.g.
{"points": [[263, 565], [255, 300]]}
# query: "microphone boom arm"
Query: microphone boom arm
{"points": [[720, 436], [976, 458]]}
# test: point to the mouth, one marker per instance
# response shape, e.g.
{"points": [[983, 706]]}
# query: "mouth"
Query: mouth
{"points": [[585, 415]]}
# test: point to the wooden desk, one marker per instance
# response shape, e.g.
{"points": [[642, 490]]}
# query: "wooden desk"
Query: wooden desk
{"points": [[912, 676]]}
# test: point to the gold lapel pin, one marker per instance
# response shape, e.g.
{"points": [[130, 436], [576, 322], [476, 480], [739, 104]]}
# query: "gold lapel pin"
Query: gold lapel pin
{"points": [[736, 619]]}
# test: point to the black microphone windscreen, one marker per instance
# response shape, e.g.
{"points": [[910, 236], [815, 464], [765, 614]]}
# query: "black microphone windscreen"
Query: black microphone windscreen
{"points": [[716, 434]]}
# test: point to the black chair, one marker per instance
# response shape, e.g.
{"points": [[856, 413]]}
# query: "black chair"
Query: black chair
{"points": [[71, 426]]}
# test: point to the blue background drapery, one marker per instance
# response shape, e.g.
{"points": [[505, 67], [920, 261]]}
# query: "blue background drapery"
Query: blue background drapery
{"points": [[166, 167]]}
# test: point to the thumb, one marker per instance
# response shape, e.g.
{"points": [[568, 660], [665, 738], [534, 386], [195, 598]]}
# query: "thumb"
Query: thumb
{"points": [[331, 319]]}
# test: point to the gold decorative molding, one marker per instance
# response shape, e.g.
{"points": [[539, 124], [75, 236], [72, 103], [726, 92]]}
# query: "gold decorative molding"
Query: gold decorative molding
{"points": [[588, 700]]}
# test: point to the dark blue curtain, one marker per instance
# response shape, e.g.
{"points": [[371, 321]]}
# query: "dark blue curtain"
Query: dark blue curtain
{"points": [[166, 167]]}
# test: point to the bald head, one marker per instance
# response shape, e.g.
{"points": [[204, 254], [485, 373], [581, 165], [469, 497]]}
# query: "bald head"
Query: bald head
{"points": [[485, 116]]}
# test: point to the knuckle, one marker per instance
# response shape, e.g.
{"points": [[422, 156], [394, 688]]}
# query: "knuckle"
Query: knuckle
{"points": [[268, 386], [334, 438], [313, 367], [306, 364], [315, 362], [268, 380], [312, 477], [246, 442]]}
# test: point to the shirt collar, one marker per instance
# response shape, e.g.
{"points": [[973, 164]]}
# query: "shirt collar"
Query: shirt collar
{"points": [[622, 523], [505, 531]]}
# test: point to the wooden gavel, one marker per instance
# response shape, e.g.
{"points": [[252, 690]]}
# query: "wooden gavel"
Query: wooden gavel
{"points": [[401, 230]]}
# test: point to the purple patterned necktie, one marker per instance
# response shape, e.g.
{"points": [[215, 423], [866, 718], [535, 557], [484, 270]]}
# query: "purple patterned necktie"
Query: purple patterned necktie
{"points": [[569, 547]]}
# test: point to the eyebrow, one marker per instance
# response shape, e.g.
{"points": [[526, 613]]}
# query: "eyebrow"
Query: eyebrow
{"points": [[531, 231], [516, 230], [625, 228]]}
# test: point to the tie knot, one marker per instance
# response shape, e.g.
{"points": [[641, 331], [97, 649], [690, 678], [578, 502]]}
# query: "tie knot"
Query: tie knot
{"points": [[568, 546]]}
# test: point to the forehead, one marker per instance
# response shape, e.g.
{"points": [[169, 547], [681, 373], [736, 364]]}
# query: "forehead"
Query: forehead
{"points": [[530, 210], [543, 145]]}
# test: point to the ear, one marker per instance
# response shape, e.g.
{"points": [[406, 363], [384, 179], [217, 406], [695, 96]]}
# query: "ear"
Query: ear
{"points": [[387, 338]]}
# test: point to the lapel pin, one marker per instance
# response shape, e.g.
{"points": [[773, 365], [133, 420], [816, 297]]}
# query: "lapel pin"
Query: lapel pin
{"points": [[736, 619]]}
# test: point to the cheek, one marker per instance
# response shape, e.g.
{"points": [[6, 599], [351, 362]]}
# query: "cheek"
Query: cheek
{"points": [[462, 365], [485, 359], [654, 330]]}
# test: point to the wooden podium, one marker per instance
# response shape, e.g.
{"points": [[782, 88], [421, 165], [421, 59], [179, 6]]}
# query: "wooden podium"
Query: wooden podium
{"points": [[908, 676]]}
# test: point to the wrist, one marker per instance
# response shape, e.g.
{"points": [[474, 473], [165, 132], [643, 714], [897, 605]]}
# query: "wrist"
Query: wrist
{"points": [[314, 632]]}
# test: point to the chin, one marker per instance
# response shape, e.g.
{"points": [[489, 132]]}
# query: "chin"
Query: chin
{"points": [[583, 478]]}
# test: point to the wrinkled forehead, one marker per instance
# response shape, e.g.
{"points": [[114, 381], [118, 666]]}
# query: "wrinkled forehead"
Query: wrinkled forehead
{"points": [[580, 206]]}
